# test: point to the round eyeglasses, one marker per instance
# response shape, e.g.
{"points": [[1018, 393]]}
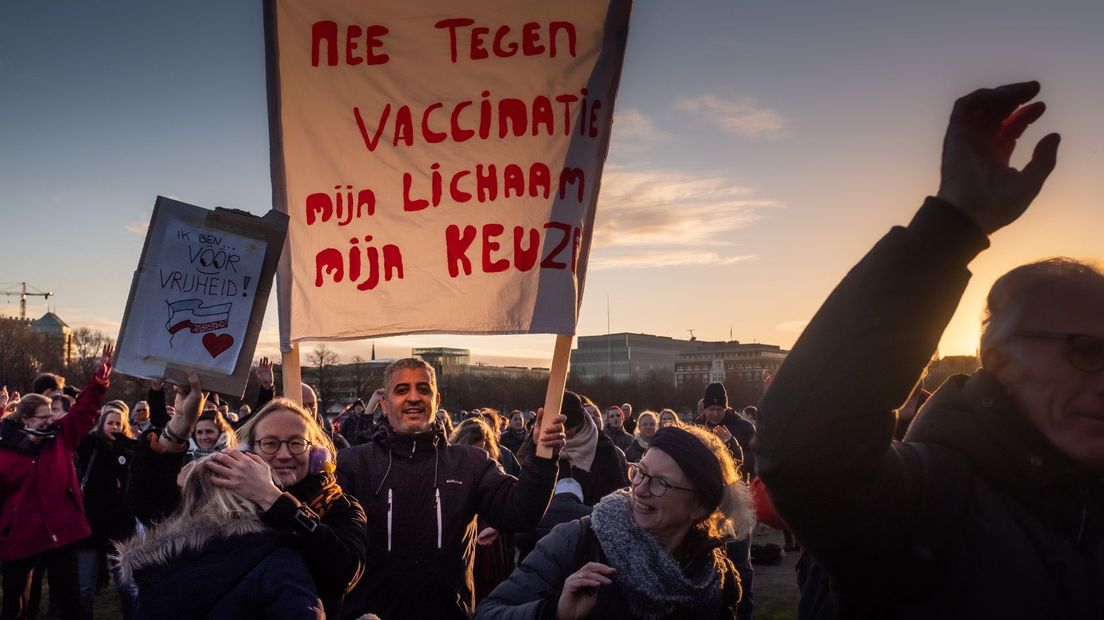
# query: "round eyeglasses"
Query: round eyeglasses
{"points": [[1082, 351], [270, 445], [657, 487]]}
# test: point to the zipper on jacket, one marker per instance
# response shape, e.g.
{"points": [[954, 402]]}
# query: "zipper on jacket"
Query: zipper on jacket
{"points": [[437, 492], [388, 519]]}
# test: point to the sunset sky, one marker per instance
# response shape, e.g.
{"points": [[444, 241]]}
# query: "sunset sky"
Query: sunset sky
{"points": [[759, 149]]}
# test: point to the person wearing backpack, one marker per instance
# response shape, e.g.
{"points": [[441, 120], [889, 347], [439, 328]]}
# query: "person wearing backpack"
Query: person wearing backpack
{"points": [[993, 505]]}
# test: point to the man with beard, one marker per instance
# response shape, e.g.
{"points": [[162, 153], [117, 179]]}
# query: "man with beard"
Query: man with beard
{"points": [[421, 496]]}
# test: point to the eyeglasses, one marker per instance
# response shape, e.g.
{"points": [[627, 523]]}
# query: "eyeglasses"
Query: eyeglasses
{"points": [[1082, 351], [271, 445], [656, 486]]}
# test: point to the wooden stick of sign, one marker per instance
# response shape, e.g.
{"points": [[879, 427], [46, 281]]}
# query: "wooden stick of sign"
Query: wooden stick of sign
{"points": [[293, 374], [557, 381]]}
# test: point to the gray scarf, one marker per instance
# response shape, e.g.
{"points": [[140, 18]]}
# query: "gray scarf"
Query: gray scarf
{"points": [[654, 584]]}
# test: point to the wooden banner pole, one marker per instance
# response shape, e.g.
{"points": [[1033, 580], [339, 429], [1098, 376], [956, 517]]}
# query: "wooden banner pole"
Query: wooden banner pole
{"points": [[293, 375], [557, 381]]}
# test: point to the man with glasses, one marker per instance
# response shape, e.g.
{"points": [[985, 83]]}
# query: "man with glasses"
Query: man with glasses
{"points": [[993, 505]]}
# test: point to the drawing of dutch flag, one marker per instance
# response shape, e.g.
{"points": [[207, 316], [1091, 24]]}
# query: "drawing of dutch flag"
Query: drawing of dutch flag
{"points": [[192, 315]]}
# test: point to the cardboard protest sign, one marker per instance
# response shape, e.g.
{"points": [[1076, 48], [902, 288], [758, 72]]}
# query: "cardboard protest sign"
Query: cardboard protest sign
{"points": [[439, 161], [199, 294]]}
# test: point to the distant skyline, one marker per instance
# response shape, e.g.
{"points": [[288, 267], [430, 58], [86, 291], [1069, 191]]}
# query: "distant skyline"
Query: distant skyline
{"points": [[759, 149]]}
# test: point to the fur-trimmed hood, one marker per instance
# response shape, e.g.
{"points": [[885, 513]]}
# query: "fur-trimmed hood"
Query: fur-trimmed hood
{"points": [[165, 544]]}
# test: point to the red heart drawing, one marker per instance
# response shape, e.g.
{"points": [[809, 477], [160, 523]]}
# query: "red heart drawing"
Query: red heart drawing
{"points": [[216, 344]]}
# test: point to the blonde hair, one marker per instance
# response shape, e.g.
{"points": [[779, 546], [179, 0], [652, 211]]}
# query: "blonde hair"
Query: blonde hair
{"points": [[735, 516], [674, 415], [647, 413], [124, 420], [315, 435], [204, 508], [474, 430]]}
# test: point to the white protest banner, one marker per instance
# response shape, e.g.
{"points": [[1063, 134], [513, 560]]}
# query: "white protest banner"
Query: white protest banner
{"points": [[439, 161], [198, 296]]}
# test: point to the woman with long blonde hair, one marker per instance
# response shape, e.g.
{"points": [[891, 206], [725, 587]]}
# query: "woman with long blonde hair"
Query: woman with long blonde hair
{"points": [[215, 558], [103, 472]]}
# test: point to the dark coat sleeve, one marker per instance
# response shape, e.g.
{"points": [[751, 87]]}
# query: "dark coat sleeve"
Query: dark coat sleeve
{"points": [[159, 415], [823, 446], [83, 415], [533, 590], [335, 545], [152, 493], [515, 504]]}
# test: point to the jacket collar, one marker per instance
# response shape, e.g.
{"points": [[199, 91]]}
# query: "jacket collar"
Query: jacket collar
{"points": [[410, 443], [977, 417]]}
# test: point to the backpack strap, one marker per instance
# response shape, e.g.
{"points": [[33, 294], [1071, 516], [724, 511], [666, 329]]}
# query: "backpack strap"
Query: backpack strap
{"points": [[589, 549]]}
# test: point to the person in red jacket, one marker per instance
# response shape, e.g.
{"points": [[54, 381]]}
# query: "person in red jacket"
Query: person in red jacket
{"points": [[41, 511]]}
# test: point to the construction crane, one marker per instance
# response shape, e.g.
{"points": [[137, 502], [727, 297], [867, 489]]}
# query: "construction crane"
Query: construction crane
{"points": [[23, 294], [692, 336]]}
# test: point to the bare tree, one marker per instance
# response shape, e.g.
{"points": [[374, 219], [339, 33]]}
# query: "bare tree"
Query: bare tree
{"points": [[322, 358], [88, 344]]}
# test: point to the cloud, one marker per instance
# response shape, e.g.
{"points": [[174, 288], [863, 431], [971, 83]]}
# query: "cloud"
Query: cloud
{"points": [[742, 117], [662, 218], [794, 326], [634, 131], [138, 228]]}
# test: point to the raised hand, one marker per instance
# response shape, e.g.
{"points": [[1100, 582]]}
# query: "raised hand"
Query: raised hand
{"points": [[552, 433], [246, 474], [103, 368], [580, 590], [981, 137], [264, 373], [377, 397]]}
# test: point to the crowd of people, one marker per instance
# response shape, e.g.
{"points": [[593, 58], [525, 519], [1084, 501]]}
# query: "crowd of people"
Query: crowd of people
{"points": [[399, 509]]}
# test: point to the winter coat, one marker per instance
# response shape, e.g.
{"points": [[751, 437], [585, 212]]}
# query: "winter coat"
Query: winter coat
{"points": [[975, 514], [232, 570], [533, 590], [358, 428], [742, 431], [421, 496], [333, 544], [564, 507], [512, 439], [620, 438], [103, 471], [40, 500], [608, 472], [635, 452]]}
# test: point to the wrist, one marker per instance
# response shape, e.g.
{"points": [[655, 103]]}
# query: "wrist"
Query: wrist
{"points": [[268, 498]]}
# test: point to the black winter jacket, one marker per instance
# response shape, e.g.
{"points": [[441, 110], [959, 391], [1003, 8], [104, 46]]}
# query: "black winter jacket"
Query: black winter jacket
{"points": [[236, 577], [994, 522], [103, 471], [742, 431], [421, 496], [334, 545]]}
